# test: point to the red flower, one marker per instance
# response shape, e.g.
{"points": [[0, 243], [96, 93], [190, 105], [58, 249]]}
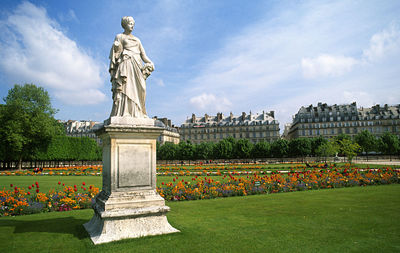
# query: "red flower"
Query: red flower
{"points": [[11, 185], [162, 183], [37, 190], [15, 188], [28, 193], [74, 185], [63, 184], [59, 182], [174, 179], [75, 189], [84, 189], [83, 183], [33, 185], [30, 187]]}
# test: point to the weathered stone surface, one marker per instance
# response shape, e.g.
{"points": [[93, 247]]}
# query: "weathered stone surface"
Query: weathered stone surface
{"points": [[108, 226], [129, 120], [128, 205]]}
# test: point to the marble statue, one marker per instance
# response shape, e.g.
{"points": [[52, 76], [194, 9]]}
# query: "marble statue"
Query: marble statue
{"points": [[128, 73]]}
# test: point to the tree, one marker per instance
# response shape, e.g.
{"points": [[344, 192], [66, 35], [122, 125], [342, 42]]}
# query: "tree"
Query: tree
{"points": [[168, 151], [243, 148], [389, 144], [300, 147], [279, 148], [185, 150], [224, 149], [349, 148], [204, 150], [329, 148], [366, 141], [316, 143], [27, 122], [260, 150]]}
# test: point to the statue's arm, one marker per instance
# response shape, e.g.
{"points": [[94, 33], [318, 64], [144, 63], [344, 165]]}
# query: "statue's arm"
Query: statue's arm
{"points": [[115, 54], [145, 58]]}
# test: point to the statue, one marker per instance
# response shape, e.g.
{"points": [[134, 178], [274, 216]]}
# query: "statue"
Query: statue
{"points": [[128, 74]]}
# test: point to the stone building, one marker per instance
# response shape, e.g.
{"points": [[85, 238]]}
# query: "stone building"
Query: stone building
{"points": [[254, 127], [332, 120], [84, 128], [170, 133]]}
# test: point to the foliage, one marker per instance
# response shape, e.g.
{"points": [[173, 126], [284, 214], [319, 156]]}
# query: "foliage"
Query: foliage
{"points": [[185, 150], [300, 147], [243, 148], [349, 148], [389, 144], [280, 148], [330, 148], [204, 150], [67, 148], [316, 143], [168, 151], [28, 122], [366, 140], [260, 150], [224, 149]]}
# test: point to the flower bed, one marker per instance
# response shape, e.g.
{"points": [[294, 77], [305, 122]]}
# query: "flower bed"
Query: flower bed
{"points": [[17, 201], [276, 182], [59, 171], [20, 201]]}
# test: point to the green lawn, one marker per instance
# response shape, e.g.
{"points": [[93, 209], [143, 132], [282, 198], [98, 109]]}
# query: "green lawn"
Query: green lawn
{"points": [[359, 219]]}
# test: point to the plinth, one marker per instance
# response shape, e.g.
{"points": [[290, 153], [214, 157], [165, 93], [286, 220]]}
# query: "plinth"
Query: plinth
{"points": [[128, 205]]}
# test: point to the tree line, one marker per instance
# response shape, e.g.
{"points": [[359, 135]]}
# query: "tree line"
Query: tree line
{"points": [[29, 131], [230, 148]]}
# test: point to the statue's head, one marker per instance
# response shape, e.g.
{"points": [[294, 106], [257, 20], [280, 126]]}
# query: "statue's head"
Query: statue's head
{"points": [[126, 21]]}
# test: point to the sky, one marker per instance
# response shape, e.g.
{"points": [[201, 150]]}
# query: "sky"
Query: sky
{"points": [[210, 56]]}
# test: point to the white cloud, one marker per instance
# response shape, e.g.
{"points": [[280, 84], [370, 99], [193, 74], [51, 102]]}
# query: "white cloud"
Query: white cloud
{"points": [[383, 43], [159, 82], [37, 51], [69, 16], [210, 102], [327, 65]]}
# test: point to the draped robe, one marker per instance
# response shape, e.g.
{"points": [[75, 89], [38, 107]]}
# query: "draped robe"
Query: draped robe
{"points": [[128, 82]]}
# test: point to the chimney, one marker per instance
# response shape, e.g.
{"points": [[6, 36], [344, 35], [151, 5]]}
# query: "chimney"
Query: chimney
{"points": [[219, 116], [272, 114]]}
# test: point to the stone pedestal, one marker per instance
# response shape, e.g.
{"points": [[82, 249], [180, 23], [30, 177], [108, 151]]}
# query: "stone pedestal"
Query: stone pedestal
{"points": [[128, 205]]}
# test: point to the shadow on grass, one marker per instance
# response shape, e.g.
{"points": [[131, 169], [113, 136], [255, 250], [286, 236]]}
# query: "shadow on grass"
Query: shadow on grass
{"points": [[65, 225]]}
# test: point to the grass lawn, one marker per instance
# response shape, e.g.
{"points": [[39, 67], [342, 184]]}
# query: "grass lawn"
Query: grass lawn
{"points": [[359, 219]]}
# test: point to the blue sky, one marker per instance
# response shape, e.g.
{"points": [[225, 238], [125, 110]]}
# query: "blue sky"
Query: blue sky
{"points": [[210, 56]]}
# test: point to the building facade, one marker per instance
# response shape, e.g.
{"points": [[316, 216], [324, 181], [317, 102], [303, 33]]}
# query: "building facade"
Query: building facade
{"points": [[84, 128], [170, 132], [332, 120], [254, 127]]}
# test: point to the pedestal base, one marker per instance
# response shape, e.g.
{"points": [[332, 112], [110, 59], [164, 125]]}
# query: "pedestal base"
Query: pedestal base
{"points": [[128, 205], [108, 226]]}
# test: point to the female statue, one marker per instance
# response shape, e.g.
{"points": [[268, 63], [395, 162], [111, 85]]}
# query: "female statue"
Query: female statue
{"points": [[128, 74]]}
